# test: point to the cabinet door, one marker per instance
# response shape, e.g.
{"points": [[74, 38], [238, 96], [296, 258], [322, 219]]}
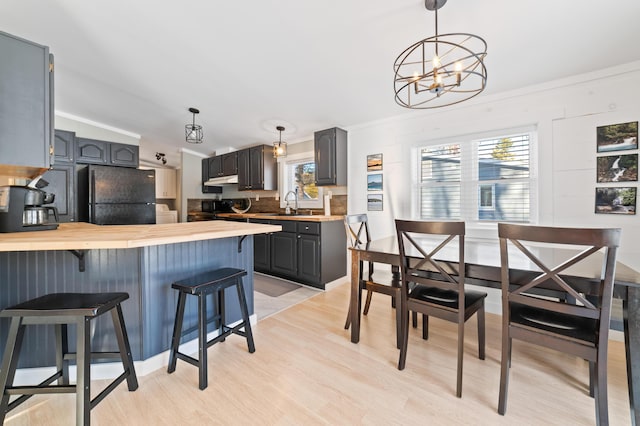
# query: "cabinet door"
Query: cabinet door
{"points": [[230, 164], [123, 155], [309, 258], [215, 166], [244, 181], [64, 146], [324, 155], [26, 103], [284, 253], [62, 181], [261, 253], [91, 151], [256, 170], [165, 183], [205, 170]]}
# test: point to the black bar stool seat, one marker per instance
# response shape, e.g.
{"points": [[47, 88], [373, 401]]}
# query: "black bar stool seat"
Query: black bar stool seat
{"points": [[210, 282], [61, 310]]}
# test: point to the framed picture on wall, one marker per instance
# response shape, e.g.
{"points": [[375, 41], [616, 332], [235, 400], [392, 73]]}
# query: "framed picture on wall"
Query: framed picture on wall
{"points": [[374, 182], [374, 202], [617, 168], [616, 200], [617, 137], [374, 162]]}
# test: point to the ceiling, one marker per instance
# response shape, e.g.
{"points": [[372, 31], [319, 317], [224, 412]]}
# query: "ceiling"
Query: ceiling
{"points": [[252, 65]]}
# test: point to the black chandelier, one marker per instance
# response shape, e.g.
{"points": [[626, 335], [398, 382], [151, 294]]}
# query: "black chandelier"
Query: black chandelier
{"points": [[444, 64], [193, 132]]}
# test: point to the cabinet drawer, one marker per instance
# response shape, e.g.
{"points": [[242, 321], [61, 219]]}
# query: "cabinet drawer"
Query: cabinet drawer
{"points": [[287, 225], [308, 228]]}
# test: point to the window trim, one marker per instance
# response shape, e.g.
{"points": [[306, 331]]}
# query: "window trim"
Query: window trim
{"points": [[283, 181]]}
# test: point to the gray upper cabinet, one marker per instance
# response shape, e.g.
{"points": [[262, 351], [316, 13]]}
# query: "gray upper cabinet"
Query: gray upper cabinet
{"points": [[223, 165], [26, 106], [257, 169], [124, 155], [64, 146], [330, 155], [230, 164], [92, 151], [215, 166]]}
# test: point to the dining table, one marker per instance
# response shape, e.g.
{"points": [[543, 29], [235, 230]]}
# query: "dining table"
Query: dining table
{"points": [[483, 268]]}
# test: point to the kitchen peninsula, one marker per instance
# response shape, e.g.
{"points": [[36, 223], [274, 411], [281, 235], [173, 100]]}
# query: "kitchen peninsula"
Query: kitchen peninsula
{"points": [[142, 260]]}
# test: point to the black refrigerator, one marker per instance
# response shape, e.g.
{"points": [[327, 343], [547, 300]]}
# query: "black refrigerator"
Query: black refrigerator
{"points": [[116, 195]]}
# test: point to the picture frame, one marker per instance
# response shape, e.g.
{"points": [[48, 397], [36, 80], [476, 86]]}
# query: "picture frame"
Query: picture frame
{"points": [[374, 202], [616, 200], [617, 137], [374, 162], [374, 182], [617, 168]]}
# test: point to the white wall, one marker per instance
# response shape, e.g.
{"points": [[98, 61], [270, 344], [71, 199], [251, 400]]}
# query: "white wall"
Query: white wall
{"points": [[565, 113]]}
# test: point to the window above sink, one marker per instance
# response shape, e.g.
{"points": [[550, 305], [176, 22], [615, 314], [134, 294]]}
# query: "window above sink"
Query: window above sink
{"points": [[298, 171]]}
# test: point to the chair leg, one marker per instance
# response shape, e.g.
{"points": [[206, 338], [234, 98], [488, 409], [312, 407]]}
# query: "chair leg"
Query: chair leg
{"points": [[124, 347], [414, 319], [245, 316], [202, 341], [425, 326], [83, 374], [177, 332], [602, 403], [10, 362], [460, 357], [62, 348], [505, 364], [221, 310], [592, 379], [405, 337], [481, 332], [367, 304], [347, 323], [399, 315]]}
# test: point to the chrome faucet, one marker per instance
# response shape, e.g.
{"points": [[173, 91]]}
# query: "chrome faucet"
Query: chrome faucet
{"points": [[287, 209]]}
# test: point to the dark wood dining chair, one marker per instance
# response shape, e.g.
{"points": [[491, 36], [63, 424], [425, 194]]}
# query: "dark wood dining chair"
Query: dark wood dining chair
{"points": [[579, 328], [357, 228], [434, 287]]}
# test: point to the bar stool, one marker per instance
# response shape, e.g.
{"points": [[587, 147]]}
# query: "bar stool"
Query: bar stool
{"points": [[61, 310], [211, 282]]}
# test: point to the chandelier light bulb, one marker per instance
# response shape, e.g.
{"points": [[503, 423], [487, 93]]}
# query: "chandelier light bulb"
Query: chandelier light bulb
{"points": [[436, 62]]}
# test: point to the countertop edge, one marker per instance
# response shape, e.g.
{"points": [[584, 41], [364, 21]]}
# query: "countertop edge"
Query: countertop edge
{"points": [[86, 236]]}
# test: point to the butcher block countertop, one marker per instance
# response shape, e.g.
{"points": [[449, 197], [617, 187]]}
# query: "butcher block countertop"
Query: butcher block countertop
{"points": [[83, 236], [275, 216]]}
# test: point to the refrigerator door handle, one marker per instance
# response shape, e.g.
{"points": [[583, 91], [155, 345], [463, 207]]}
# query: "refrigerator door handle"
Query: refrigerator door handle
{"points": [[92, 200]]}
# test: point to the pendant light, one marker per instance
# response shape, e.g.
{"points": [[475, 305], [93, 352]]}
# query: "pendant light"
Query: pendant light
{"points": [[193, 132], [440, 70], [279, 147]]}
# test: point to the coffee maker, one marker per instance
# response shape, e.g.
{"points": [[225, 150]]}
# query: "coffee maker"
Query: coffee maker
{"points": [[22, 208]]}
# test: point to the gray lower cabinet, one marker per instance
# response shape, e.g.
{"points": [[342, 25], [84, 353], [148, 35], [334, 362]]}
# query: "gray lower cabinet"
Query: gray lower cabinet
{"points": [[311, 253]]}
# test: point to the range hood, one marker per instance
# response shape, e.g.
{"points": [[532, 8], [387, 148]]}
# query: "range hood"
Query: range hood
{"points": [[223, 180]]}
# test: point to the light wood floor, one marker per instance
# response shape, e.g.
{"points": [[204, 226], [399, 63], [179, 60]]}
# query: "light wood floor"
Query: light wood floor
{"points": [[306, 371]]}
